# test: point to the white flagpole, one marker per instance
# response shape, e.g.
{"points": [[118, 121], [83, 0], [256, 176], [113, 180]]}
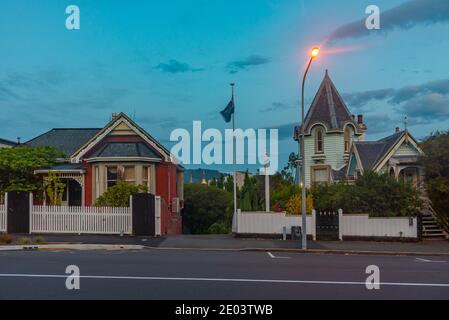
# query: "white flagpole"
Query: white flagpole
{"points": [[234, 151]]}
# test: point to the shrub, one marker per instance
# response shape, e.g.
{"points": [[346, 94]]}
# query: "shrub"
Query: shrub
{"points": [[379, 195], [219, 228], [6, 239], [118, 196], [24, 241], [294, 205], [207, 209]]}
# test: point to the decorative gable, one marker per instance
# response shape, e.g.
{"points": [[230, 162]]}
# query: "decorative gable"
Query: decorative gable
{"points": [[122, 129], [120, 126]]}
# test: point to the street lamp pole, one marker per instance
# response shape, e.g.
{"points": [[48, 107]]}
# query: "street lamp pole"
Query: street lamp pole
{"points": [[302, 184]]}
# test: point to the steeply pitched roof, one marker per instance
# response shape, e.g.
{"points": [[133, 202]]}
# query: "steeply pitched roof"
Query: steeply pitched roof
{"points": [[329, 108], [65, 140], [125, 150], [371, 153]]}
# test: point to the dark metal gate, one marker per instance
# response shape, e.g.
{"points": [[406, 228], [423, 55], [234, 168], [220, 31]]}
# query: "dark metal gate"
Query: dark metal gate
{"points": [[18, 212], [144, 214], [327, 226]]}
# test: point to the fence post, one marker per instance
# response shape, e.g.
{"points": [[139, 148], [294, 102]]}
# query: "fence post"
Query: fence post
{"points": [[6, 212], [31, 212], [340, 224], [314, 224], [130, 227]]}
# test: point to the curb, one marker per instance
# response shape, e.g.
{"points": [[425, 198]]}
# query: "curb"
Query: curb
{"points": [[78, 247], [311, 251]]}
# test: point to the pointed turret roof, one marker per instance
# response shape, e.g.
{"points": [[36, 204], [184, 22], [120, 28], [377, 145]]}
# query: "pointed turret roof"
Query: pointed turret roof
{"points": [[329, 109]]}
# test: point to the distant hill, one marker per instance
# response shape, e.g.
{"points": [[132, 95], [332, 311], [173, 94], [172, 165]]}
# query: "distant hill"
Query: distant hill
{"points": [[196, 176]]}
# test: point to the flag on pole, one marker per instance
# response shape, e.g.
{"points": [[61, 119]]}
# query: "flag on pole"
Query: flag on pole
{"points": [[228, 112]]}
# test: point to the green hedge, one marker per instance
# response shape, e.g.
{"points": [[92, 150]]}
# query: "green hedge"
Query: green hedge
{"points": [[378, 195]]}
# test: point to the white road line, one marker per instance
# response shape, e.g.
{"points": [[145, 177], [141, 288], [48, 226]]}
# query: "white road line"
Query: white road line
{"points": [[274, 257], [395, 284], [429, 261]]}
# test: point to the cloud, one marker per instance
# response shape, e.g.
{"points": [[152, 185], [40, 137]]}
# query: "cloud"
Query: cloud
{"points": [[285, 131], [278, 106], [409, 92], [251, 61], [430, 107], [174, 66], [380, 123], [359, 99], [424, 102], [404, 16]]}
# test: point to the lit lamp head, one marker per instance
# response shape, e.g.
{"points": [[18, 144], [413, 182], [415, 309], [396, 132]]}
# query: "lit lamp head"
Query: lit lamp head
{"points": [[315, 53]]}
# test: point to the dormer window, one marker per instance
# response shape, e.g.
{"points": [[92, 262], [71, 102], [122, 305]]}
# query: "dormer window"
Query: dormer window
{"points": [[348, 134], [319, 140]]}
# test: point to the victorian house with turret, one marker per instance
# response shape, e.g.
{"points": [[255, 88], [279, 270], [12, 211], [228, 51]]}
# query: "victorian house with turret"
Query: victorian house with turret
{"points": [[336, 149]]}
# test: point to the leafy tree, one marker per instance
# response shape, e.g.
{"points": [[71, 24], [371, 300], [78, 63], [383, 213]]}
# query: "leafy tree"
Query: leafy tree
{"points": [[119, 195], [229, 184], [281, 191], [294, 204], [249, 194], [207, 209], [17, 166], [289, 172], [55, 189], [436, 165]]}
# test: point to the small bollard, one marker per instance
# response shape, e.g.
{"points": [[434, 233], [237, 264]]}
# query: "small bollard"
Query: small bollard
{"points": [[284, 235]]}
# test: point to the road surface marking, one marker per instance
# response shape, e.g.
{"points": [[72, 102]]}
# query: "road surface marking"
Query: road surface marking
{"points": [[429, 261], [391, 284], [274, 257]]}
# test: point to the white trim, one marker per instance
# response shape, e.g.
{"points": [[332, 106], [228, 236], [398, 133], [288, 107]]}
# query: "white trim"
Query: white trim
{"points": [[43, 171], [76, 157], [394, 149], [123, 159]]}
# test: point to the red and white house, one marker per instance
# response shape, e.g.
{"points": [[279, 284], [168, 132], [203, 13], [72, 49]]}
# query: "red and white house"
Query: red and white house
{"points": [[121, 151]]}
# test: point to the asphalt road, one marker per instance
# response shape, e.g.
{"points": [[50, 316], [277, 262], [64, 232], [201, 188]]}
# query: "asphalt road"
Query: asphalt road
{"points": [[219, 275]]}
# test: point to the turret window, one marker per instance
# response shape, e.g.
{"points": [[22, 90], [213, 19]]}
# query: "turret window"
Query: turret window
{"points": [[319, 140], [348, 134]]}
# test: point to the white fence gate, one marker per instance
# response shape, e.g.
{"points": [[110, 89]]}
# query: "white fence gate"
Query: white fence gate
{"points": [[81, 220], [4, 215]]}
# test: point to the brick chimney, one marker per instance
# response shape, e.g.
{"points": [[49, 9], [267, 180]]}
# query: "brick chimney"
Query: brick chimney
{"points": [[114, 116], [398, 129], [360, 119]]}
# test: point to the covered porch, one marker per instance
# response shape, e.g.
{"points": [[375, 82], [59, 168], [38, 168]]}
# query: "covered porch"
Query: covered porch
{"points": [[73, 176], [408, 170]]}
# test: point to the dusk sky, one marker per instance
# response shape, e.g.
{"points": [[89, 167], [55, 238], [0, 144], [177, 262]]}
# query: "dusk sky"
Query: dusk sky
{"points": [[170, 62]]}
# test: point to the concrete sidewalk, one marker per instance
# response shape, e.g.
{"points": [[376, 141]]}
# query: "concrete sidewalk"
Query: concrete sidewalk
{"points": [[228, 242]]}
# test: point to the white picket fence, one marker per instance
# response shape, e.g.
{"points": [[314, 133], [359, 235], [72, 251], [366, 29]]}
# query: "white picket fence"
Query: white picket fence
{"points": [[3, 215], [81, 220], [362, 225], [351, 226], [262, 223]]}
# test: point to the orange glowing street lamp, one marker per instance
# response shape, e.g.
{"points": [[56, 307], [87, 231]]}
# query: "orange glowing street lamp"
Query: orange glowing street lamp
{"points": [[302, 183], [315, 53]]}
